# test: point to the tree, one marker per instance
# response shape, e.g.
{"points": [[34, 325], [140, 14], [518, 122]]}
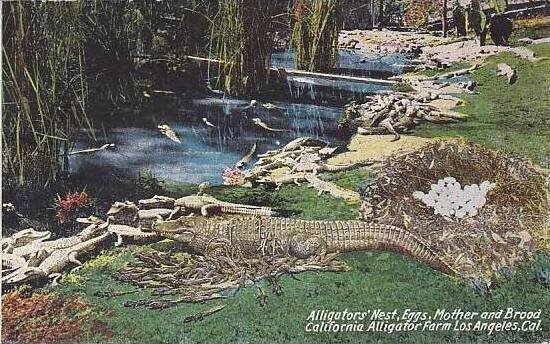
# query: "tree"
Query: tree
{"points": [[444, 18]]}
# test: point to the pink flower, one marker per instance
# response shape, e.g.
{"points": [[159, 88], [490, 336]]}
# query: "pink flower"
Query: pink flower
{"points": [[232, 176]]}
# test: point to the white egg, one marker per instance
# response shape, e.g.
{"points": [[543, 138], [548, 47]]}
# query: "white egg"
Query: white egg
{"points": [[449, 180], [418, 194]]}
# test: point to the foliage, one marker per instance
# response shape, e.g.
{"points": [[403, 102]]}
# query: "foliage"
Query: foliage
{"points": [[315, 27], [71, 205], [54, 319], [418, 11], [498, 6], [402, 87], [45, 88], [242, 38], [535, 27], [148, 185], [476, 21]]}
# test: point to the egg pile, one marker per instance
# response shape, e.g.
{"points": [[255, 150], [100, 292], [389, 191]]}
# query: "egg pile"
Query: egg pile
{"points": [[448, 198]]}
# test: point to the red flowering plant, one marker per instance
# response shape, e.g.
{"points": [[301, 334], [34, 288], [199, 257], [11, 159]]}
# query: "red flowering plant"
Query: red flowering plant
{"points": [[72, 206]]}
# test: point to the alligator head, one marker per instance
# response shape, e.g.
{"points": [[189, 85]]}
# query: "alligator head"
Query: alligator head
{"points": [[182, 229], [26, 236]]}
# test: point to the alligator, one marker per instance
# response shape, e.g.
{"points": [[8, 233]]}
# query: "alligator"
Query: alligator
{"points": [[125, 231], [207, 205], [22, 238], [331, 188], [156, 202], [37, 250], [54, 264], [250, 236], [124, 213]]}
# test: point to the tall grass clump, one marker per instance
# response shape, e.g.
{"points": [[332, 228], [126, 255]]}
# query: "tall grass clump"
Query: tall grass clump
{"points": [[63, 61], [242, 36], [315, 27], [45, 87]]}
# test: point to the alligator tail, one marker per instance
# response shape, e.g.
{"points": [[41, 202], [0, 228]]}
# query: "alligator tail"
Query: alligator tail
{"points": [[360, 236]]}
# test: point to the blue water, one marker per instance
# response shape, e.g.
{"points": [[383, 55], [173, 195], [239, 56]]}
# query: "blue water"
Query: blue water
{"points": [[204, 151], [353, 62], [312, 107]]}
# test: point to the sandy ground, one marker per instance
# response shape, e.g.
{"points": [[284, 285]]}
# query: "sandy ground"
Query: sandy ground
{"points": [[433, 50], [387, 41], [376, 148]]}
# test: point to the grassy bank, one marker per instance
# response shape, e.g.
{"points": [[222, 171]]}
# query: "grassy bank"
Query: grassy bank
{"points": [[511, 118], [376, 280]]}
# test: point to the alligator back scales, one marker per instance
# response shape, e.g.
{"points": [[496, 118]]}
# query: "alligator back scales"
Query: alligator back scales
{"points": [[301, 238]]}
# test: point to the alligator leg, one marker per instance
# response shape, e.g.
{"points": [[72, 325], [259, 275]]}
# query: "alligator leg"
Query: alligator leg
{"points": [[302, 246], [55, 277], [210, 209], [72, 258], [387, 124], [218, 247], [37, 257], [118, 240], [174, 213]]}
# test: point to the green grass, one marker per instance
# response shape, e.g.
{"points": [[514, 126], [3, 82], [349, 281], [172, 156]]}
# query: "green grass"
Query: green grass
{"points": [[348, 179], [377, 280], [512, 118], [402, 87]]}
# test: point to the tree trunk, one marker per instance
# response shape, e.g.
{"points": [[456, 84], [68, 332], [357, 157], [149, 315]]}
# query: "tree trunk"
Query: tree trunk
{"points": [[444, 18], [381, 14]]}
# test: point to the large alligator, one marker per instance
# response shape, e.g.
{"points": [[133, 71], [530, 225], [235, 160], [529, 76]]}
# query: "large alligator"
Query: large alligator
{"points": [[249, 236]]}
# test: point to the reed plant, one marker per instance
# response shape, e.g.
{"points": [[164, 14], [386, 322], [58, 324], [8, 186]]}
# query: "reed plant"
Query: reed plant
{"points": [[57, 59], [44, 86], [242, 37], [314, 37]]}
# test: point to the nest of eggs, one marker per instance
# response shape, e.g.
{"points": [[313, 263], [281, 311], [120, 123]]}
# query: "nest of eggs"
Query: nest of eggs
{"points": [[507, 223]]}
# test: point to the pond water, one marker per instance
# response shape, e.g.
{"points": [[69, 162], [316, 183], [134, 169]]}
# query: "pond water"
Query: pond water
{"points": [[204, 151], [353, 62], [308, 107]]}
